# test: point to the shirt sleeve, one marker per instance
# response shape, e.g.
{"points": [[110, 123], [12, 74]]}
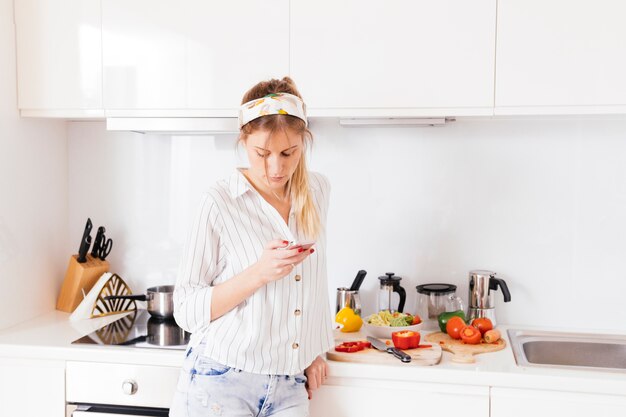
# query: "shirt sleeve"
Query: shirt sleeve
{"points": [[198, 269]]}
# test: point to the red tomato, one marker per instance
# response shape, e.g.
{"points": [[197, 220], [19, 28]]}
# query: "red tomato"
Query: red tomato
{"points": [[416, 320], [483, 324], [454, 327], [470, 335]]}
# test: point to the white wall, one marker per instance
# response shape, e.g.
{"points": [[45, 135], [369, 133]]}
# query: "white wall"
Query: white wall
{"points": [[33, 197], [541, 202]]}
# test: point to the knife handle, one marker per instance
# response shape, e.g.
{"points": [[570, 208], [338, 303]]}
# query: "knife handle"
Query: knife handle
{"points": [[399, 354]]}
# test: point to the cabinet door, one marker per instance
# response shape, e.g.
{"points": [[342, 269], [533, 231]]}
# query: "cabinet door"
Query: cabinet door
{"points": [[340, 397], [175, 56], [32, 388], [560, 53], [417, 54], [144, 53], [59, 63], [511, 402], [231, 46]]}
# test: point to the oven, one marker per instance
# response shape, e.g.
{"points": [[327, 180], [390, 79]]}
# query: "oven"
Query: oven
{"points": [[95, 389], [98, 389]]}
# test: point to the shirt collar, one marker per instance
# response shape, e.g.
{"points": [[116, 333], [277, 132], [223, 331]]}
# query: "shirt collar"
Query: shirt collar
{"points": [[239, 184]]}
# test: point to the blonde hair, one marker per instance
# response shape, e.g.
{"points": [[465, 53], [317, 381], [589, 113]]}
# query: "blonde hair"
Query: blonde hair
{"points": [[308, 218]]}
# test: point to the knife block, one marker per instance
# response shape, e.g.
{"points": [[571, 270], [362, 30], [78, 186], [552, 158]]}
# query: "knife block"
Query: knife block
{"points": [[79, 277]]}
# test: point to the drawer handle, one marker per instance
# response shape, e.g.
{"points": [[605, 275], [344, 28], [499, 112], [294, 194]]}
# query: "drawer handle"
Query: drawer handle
{"points": [[129, 387]]}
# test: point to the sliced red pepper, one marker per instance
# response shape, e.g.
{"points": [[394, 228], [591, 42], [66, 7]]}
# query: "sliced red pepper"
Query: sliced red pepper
{"points": [[350, 347], [424, 346], [405, 339]]}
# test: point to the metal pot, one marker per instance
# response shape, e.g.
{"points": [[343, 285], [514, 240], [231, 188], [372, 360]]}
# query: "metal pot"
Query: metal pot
{"points": [[161, 333], [160, 300]]}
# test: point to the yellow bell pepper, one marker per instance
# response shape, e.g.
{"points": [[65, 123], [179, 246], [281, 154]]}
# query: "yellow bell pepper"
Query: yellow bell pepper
{"points": [[351, 322]]}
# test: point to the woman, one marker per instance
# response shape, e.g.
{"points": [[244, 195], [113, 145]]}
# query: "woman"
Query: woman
{"points": [[257, 308]]}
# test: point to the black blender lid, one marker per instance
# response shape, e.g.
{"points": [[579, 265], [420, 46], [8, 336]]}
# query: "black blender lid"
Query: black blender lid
{"points": [[436, 289]]}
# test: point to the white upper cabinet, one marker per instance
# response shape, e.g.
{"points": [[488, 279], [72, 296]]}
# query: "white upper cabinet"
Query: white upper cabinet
{"points": [[144, 54], [232, 46], [561, 57], [190, 57], [59, 58], [400, 57]]}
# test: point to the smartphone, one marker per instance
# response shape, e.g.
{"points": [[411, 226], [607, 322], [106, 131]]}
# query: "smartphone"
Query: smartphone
{"points": [[304, 245]]}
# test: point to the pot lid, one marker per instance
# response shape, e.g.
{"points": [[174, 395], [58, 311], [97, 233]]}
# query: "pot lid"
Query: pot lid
{"points": [[437, 289]]}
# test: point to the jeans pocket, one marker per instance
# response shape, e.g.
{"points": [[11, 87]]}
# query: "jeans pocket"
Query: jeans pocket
{"points": [[204, 365], [300, 378]]}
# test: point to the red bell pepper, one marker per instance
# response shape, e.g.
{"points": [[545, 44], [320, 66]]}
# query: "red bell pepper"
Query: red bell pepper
{"points": [[406, 339], [350, 347]]}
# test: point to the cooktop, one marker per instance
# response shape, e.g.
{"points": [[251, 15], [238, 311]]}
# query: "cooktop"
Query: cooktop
{"points": [[139, 329]]}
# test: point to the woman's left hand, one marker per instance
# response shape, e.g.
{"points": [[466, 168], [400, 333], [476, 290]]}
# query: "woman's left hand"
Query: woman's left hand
{"points": [[315, 375]]}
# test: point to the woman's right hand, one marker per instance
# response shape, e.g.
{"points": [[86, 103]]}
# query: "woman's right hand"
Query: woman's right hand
{"points": [[276, 263]]}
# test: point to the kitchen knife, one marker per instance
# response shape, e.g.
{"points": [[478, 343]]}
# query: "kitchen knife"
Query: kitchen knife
{"points": [[84, 248], [380, 345], [358, 280], [86, 233], [97, 244], [85, 242]]}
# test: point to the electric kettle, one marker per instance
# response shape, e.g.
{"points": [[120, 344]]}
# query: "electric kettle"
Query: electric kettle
{"points": [[388, 285], [482, 285]]}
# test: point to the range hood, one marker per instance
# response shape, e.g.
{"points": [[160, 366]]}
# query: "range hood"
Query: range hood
{"points": [[175, 125]]}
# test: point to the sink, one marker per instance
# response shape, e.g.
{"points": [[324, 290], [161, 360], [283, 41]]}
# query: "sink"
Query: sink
{"points": [[597, 352]]}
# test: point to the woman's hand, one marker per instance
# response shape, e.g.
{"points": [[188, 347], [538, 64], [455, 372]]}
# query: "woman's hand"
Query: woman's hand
{"points": [[275, 264], [315, 375]]}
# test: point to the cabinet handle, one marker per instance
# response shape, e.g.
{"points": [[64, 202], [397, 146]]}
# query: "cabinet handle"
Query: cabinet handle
{"points": [[129, 387]]}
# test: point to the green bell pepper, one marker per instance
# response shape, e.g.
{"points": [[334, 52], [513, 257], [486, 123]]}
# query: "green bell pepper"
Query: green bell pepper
{"points": [[444, 317]]}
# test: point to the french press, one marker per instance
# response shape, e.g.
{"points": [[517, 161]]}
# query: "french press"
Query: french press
{"points": [[388, 285]]}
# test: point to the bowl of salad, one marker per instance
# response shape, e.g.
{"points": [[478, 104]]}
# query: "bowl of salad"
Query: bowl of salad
{"points": [[383, 323]]}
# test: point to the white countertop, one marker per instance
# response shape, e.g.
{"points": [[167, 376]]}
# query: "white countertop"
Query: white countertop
{"points": [[49, 337]]}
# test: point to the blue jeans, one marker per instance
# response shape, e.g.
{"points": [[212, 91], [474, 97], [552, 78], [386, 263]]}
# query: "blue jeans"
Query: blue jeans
{"points": [[208, 388]]}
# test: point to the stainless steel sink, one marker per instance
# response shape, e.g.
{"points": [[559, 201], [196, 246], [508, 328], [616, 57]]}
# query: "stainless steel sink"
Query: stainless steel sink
{"points": [[569, 350]]}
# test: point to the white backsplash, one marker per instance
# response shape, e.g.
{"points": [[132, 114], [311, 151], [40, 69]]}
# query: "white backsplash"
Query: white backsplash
{"points": [[542, 202]]}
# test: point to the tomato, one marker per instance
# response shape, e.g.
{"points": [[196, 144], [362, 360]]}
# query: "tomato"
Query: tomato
{"points": [[483, 324], [470, 335], [405, 339], [416, 320], [454, 327]]}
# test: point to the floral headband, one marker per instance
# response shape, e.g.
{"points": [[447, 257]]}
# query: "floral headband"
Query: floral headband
{"points": [[275, 103]]}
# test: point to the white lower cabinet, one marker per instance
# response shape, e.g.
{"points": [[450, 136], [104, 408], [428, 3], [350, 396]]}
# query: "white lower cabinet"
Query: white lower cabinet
{"points": [[514, 402], [340, 397], [32, 388]]}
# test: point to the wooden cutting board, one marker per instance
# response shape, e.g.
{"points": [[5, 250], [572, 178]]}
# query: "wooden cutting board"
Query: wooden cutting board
{"points": [[463, 353], [420, 356]]}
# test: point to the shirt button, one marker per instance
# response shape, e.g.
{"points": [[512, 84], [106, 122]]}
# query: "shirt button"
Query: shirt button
{"points": [[297, 312], [298, 277], [295, 346]]}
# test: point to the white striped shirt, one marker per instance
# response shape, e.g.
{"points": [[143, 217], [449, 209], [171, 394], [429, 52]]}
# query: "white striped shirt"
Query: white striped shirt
{"points": [[283, 326]]}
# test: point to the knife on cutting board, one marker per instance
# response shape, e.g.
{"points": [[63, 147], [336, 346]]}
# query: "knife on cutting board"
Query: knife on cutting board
{"points": [[380, 345]]}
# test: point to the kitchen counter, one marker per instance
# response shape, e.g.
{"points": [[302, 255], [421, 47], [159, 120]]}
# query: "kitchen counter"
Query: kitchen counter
{"points": [[49, 337]]}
